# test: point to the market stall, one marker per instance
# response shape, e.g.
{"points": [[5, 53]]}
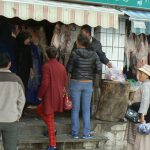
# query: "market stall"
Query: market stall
{"points": [[137, 41], [137, 49], [61, 12], [58, 24]]}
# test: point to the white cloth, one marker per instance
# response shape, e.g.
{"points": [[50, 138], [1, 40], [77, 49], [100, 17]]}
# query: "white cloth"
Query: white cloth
{"points": [[142, 142], [145, 97]]}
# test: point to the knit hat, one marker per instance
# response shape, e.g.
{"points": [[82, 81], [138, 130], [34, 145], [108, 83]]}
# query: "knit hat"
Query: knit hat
{"points": [[145, 69]]}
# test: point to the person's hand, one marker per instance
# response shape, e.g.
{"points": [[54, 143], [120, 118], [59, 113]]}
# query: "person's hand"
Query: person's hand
{"points": [[142, 119], [109, 65], [40, 99]]}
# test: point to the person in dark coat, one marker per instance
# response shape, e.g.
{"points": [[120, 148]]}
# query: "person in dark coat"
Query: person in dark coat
{"points": [[8, 43], [94, 45], [34, 82], [24, 57], [83, 65], [51, 93]]}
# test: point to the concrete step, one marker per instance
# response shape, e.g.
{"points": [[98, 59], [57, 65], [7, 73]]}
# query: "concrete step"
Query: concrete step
{"points": [[36, 126], [31, 128], [64, 142], [64, 138], [31, 137]]}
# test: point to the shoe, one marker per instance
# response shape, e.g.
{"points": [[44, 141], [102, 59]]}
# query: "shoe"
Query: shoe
{"points": [[87, 137], [75, 136], [92, 133], [52, 148]]}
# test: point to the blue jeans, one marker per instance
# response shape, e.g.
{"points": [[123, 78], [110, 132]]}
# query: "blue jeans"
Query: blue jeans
{"points": [[81, 92]]}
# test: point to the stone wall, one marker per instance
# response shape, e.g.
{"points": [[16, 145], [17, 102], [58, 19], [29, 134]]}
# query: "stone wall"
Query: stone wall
{"points": [[116, 134]]}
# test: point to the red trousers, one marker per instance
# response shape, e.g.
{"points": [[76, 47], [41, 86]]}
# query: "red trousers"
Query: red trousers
{"points": [[49, 120]]}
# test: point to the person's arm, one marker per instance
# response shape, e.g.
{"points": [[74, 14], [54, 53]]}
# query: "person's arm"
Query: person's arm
{"points": [[98, 64], [102, 55], [45, 82], [70, 63], [145, 102], [21, 98], [142, 118]]}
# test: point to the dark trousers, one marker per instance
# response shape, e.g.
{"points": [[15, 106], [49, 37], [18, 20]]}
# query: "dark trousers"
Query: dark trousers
{"points": [[136, 106], [9, 134]]}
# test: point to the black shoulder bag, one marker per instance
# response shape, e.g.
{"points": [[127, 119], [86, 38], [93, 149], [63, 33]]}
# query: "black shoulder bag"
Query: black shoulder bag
{"points": [[132, 115]]}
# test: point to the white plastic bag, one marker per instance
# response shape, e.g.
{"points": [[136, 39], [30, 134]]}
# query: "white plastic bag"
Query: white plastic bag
{"points": [[115, 75], [144, 128]]}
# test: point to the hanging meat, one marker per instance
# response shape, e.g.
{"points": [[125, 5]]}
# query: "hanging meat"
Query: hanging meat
{"points": [[142, 51], [65, 44], [56, 36], [130, 50], [130, 55], [42, 43]]}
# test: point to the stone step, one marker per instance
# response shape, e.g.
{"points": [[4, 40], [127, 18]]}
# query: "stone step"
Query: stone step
{"points": [[64, 138], [64, 142], [37, 127], [31, 128]]}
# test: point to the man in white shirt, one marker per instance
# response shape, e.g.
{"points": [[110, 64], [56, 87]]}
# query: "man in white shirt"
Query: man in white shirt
{"points": [[12, 101]]}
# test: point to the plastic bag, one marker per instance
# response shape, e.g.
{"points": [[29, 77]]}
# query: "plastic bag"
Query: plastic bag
{"points": [[115, 75], [144, 128], [134, 85]]}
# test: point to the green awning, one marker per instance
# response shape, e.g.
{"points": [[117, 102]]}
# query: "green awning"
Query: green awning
{"points": [[144, 4]]}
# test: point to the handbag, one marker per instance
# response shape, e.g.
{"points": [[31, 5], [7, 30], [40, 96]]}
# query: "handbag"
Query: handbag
{"points": [[132, 115], [67, 101]]}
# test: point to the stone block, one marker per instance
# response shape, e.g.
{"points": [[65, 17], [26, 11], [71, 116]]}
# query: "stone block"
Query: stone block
{"points": [[113, 102], [120, 136], [119, 127], [114, 132], [111, 138], [89, 145]]}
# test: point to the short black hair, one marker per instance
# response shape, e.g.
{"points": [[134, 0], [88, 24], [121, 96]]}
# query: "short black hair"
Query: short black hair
{"points": [[83, 40], [4, 59], [51, 52], [87, 29]]}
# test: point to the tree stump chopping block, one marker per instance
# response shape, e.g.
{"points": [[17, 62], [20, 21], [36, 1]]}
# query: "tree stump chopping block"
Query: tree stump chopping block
{"points": [[113, 102]]}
